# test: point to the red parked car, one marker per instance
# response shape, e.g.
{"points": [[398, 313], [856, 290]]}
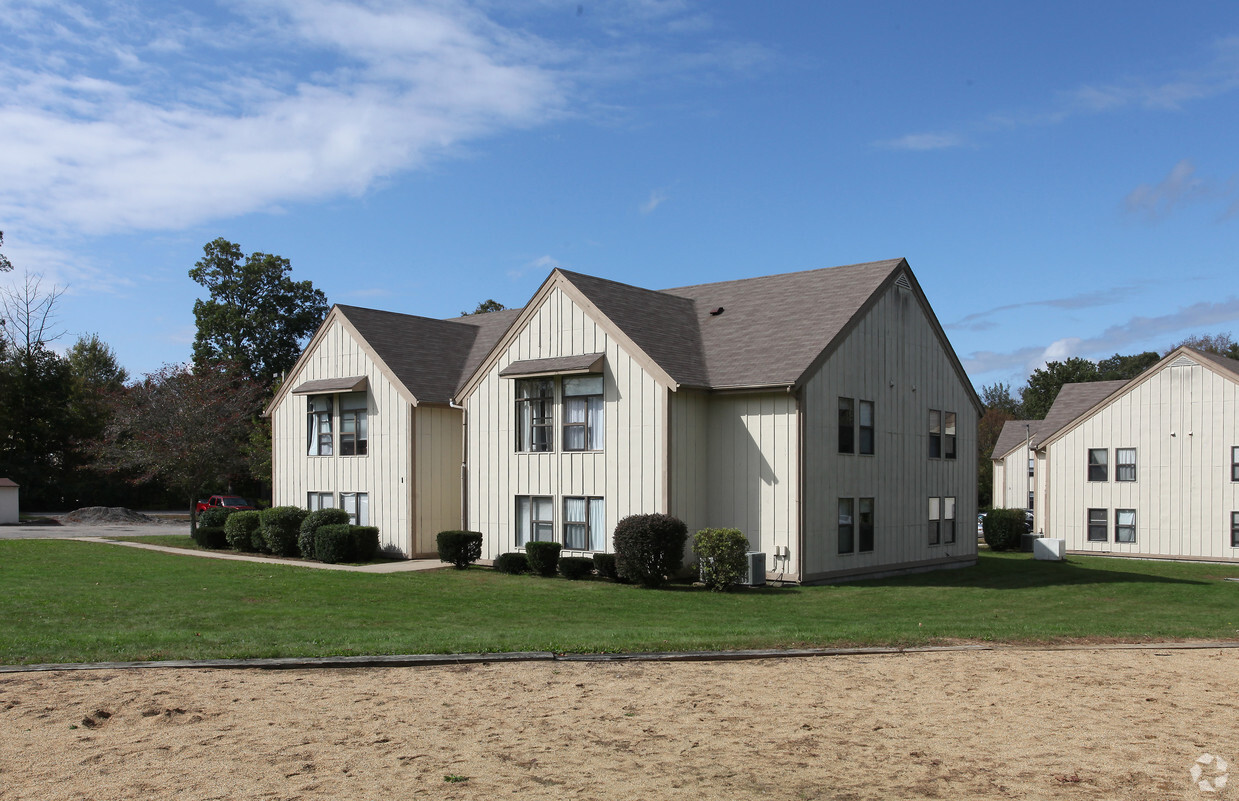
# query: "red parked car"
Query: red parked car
{"points": [[224, 502]]}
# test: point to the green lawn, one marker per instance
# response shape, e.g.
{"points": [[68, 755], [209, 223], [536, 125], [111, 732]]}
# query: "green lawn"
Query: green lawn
{"points": [[64, 601]]}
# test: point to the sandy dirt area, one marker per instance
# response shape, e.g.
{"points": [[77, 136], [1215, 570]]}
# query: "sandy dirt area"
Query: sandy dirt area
{"points": [[1123, 724]]}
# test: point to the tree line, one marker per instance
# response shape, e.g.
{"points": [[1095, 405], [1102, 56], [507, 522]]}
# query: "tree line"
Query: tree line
{"points": [[75, 430], [1034, 399]]}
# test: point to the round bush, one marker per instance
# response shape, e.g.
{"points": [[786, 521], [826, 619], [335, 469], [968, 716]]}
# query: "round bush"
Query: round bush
{"points": [[574, 568], [280, 527], [333, 543], [214, 517], [365, 541], [649, 548], [1002, 529], [320, 517], [604, 564], [460, 548], [211, 537], [513, 563], [720, 553], [241, 528], [543, 557]]}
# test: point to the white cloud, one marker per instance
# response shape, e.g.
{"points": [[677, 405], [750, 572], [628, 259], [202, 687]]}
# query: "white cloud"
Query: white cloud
{"points": [[656, 199], [1155, 202], [924, 141]]}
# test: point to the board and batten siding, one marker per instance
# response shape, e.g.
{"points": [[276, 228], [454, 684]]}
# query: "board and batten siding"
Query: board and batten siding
{"points": [[752, 466], [384, 473], [1182, 421], [628, 473], [893, 357], [1011, 482]]}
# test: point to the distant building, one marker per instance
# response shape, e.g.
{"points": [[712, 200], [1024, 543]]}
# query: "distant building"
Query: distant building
{"points": [[9, 511]]}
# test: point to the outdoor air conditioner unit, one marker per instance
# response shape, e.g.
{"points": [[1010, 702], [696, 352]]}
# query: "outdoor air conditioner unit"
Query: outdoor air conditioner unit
{"points": [[755, 575]]}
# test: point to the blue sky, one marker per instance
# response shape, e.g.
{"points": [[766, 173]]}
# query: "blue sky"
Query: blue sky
{"points": [[1062, 177]]}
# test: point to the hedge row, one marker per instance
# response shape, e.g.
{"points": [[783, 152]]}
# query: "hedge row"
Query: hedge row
{"points": [[288, 531]]}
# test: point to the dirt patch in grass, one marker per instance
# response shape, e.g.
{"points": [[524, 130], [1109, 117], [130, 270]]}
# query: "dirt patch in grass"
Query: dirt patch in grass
{"points": [[1084, 724]]}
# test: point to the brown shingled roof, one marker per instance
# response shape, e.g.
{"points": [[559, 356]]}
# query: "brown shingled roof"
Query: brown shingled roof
{"points": [[1072, 401], [429, 357], [1013, 435]]}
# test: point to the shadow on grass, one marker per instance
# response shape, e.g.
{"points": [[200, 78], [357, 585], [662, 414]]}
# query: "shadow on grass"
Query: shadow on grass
{"points": [[1021, 571]]}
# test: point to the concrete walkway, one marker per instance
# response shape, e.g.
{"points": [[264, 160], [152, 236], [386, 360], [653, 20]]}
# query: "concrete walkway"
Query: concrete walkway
{"points": [[394, 566]]}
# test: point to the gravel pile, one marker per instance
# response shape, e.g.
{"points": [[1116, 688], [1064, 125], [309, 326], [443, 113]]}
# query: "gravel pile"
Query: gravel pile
{"points": [[104, 515]]}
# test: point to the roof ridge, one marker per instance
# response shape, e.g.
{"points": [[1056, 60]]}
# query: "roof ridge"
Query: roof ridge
{"points": [[678, 289]]}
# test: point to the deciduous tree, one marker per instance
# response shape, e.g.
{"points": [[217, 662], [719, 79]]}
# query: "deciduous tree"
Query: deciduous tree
{"points": [[1045, 382], [485, 307]]}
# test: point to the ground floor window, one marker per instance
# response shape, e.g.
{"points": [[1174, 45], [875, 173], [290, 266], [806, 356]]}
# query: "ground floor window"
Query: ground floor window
{"points": [[948, 520], [585, 524], [1097, 525], [935, 521], [1124, 525], [357, 504], [319, 500], [847, 526], [1234, 529], [864, 525], [534, 519]]}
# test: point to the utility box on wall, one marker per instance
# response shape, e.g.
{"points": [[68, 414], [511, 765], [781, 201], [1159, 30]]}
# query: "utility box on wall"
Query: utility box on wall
{"points": [[9, 514]]}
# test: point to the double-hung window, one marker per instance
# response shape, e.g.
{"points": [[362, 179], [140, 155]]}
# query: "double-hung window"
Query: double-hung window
{"points": [[1124, 525], [847, 425], [948, 435], [948, 520], [583, 413], [847, 526], [318, 433], [1234, 529], [1098, 459], [315, 501], [864, 525], [585, 524], [534, 519], [1234, 463], [1098, 522], [935, 521], [935, 434], [535, 402], [866, 428], [1124, 464], [354, 426], [357, 504]]}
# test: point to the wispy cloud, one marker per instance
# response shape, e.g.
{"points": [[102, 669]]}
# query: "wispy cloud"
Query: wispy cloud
{"points": [[656, 199], [1194, 319], [542, 264], [1181, 186], [1218, 75], [982, 320]]}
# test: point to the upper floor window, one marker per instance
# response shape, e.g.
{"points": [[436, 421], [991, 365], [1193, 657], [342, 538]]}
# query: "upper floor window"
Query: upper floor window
{"points": [[583, 413], [534, 519], [1098, 459], [1234, 463], [866, 427], [354, 427], [319, 425], [847, 423], [1124, 464], [935, 434], [585, 524], [948, 435], [535, 401], [1032, 465]]}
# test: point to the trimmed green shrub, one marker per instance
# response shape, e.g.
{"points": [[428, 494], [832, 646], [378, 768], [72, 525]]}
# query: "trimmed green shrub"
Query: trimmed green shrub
{"points": [[365, 542], [211, 537], [280, 527], [574, 568], [649, 548], [320, 517], [214, 517], [333, 543], [241, 528], [720, 553], [512, 563], [604, 564], [1002, 529], [543, 557], [460, 548]]}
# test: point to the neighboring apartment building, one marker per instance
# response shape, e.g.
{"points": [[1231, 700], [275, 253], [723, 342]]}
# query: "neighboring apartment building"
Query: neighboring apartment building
{"points": [[822, 413], [1147, 467]]}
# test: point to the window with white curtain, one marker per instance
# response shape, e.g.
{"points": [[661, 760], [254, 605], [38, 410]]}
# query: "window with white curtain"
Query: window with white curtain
{"points": [[585, 524], [583, 413], [318, 434], [357, 504], [318, 500], [534, 519], [1124, 525], [535, 401]]}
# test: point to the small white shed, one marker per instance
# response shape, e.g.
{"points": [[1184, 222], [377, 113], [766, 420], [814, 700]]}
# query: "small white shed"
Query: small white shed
{"points": [[8, 502]]}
